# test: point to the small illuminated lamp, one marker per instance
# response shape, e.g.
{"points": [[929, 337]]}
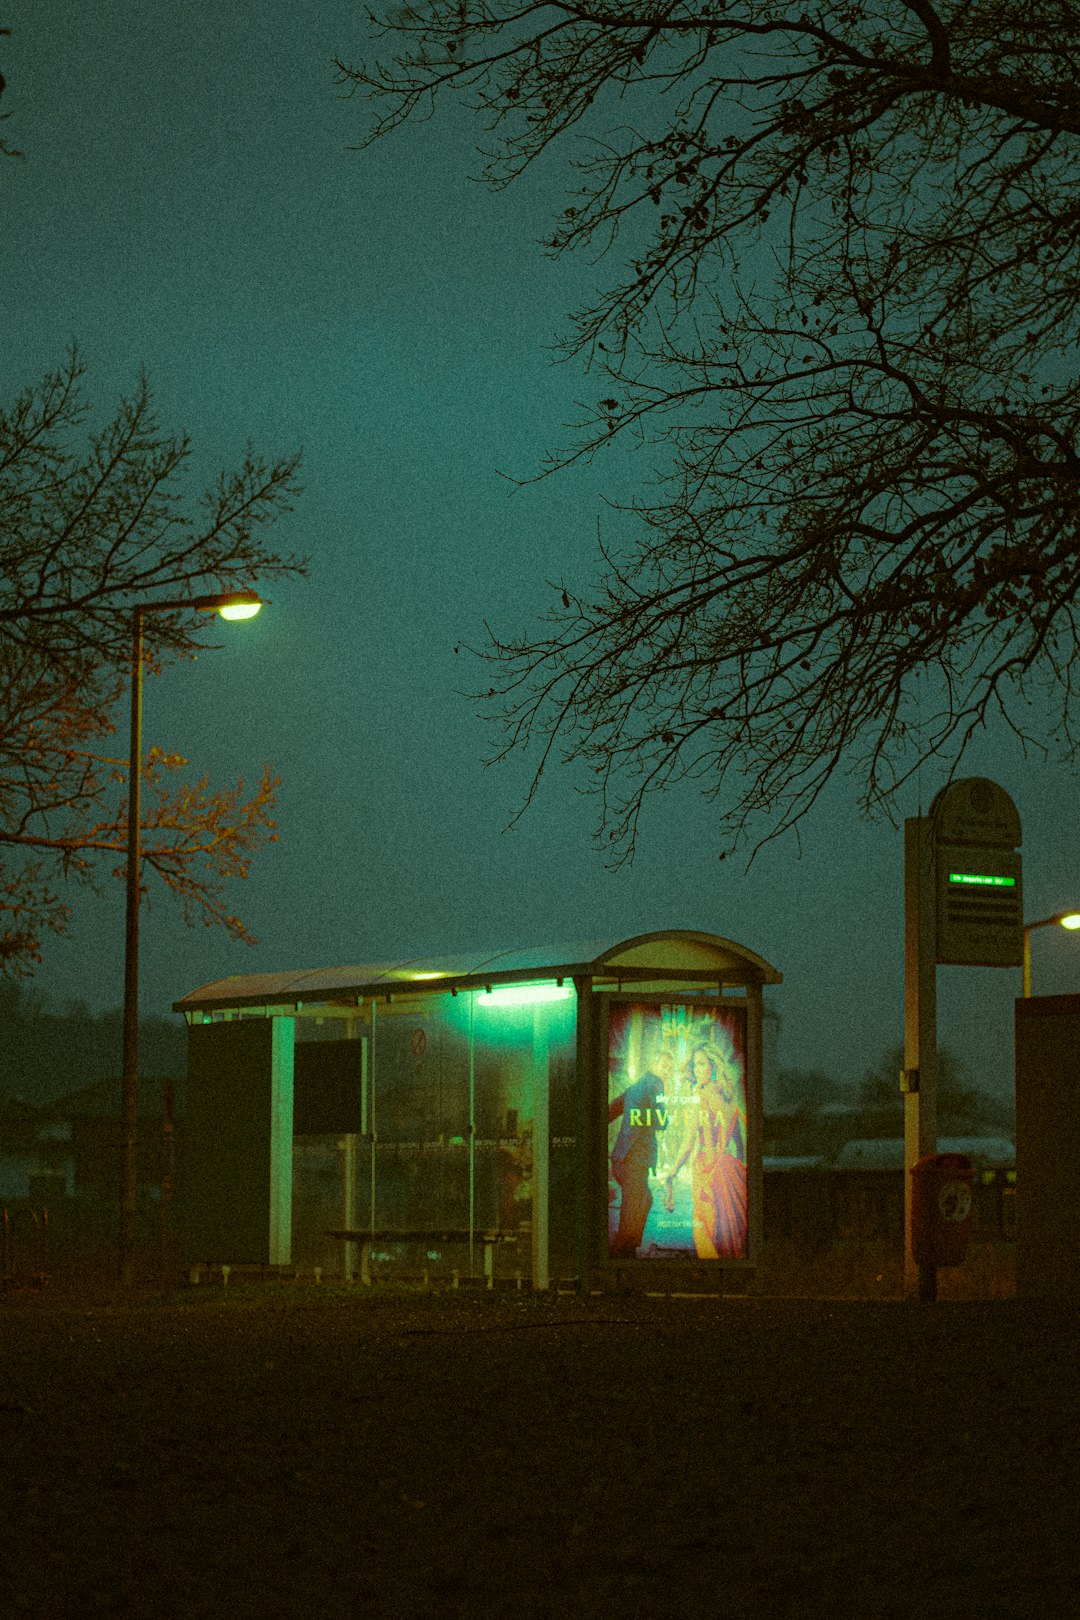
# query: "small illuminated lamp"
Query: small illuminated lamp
{"points": [[523, 995], [230, 604], [1062, 919]]}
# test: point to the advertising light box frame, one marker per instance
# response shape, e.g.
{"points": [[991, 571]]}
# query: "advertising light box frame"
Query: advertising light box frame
{"points": [[682, 1092]]}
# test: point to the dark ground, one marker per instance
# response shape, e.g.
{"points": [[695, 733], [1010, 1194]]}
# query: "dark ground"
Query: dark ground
{"points": [[290, 1451]]}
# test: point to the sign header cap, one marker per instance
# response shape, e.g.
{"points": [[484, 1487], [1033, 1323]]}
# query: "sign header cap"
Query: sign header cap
{"points": [[975, 811]]}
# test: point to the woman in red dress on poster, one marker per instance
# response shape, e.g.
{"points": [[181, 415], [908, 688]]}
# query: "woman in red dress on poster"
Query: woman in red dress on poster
{"points": [[716, 1148]]}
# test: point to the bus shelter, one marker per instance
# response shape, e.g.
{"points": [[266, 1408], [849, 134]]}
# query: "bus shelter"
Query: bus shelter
{"points": [[552, 1114]]}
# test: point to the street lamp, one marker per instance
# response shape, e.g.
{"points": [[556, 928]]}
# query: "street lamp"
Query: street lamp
{"points": [[1063, 919], [229, 605]]}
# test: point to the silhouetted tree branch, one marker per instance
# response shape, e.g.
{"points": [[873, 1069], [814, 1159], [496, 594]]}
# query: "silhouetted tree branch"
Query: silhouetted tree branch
{"points": [[846, 325], [87, 529], [5, 149]]}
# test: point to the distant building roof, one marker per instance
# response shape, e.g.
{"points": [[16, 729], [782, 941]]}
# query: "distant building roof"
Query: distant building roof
{"points": [[887, 1152], [792, 1161], [670, 953], [990, 1152], [102, 1100]]}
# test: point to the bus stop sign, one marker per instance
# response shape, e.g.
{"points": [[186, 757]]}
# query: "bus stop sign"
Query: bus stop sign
{"points": [[980, 910]]}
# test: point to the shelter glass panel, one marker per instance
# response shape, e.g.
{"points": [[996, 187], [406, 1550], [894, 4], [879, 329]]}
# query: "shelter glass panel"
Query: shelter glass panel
{"points": [[464, 1096], [524, 1055], [419, 1113]]}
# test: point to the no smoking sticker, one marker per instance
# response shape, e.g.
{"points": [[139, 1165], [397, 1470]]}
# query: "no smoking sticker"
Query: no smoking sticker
{"points": [[954, 1200]]}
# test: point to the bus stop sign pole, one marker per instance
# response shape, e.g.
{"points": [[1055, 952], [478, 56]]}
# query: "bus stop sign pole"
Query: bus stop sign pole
{"points": [[963, 904], [919, 1079]]}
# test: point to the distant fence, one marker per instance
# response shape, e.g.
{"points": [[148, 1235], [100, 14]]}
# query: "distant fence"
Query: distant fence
{"points": [[28, 1261], [823, 1205]]}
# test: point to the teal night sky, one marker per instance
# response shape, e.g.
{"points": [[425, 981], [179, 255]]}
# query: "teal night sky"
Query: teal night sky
{"points": [[189, 204]]}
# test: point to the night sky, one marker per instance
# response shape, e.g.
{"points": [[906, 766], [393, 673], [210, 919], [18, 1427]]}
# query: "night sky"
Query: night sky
{"points": [[189, 204]]}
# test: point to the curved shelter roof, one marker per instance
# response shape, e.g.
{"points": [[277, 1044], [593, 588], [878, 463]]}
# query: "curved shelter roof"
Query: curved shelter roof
{"points": [[675, 954]]}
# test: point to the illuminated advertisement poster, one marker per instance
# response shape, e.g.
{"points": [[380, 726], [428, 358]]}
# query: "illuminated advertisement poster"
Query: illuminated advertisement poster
{"points": [[677, 1176]]}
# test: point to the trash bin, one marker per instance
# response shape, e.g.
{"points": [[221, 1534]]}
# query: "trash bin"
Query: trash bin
{"points": [[942, 1208]]}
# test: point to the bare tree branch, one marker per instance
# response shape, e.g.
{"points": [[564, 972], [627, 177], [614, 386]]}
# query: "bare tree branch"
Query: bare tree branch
{"points": [[845, 323], [86, 531]]}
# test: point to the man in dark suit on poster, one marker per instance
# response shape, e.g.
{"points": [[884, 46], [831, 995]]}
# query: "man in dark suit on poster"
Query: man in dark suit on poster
{"points": [[643, 1111]]}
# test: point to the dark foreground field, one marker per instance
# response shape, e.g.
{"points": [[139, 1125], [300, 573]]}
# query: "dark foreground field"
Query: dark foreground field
{"points": [[286, 1451]]}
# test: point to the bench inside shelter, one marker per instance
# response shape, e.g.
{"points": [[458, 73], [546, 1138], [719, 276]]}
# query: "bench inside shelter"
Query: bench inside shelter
{"points": [[367, 1236]]}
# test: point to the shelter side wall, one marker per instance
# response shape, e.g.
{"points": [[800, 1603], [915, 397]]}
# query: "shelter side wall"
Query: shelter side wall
{"points": [[235, 1196], [754, 1080]]}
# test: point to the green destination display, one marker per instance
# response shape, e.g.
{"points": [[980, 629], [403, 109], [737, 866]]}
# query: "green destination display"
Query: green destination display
{"points": [[980, 919]]}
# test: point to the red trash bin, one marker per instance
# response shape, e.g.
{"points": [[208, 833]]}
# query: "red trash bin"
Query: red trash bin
{"points": [[942, 1208]]}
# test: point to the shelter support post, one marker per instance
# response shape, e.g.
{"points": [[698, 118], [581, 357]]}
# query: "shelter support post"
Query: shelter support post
{"points": [[281, 1140], [754, 1115], [367, 1129], [348, 1146], [472, 1131], [586, 1127], [541, 1150]]}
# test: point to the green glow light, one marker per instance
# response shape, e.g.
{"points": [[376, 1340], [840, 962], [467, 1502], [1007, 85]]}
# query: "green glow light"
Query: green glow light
{"points": [[984, 879], [523, 995], [1072, 920], [239, 610]]}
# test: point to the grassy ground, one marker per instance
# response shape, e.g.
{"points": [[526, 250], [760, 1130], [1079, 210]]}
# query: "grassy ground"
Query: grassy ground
{"points": [[854, 1269], [875, 1270], [818, 1447], [293, 1449]]}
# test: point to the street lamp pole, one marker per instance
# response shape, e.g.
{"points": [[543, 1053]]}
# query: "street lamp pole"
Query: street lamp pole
{"points": [[129, 1083], [231, 605], [1063, 919]]}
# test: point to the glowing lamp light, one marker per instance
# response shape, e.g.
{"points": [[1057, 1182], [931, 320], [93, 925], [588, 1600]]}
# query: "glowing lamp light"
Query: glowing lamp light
{"points": [[416, 976], [523, 995], [239, 610], [226, 604], [1060, 919]]}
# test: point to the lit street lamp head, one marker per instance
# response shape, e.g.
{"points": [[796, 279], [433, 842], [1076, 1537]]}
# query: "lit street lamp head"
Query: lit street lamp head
{"points": [[1070, 920], [230, 604], [226, 604]]}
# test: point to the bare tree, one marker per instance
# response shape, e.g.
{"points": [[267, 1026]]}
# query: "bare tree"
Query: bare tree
{"points": [[5, 149], [846, 329], [87, 530]]}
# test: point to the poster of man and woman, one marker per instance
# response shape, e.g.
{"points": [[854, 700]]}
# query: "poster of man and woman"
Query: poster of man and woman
{"points": [[677, 1162]]}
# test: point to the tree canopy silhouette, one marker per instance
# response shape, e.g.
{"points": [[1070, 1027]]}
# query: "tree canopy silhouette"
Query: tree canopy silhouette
{"points": [[87, 529], [845, 325]]}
